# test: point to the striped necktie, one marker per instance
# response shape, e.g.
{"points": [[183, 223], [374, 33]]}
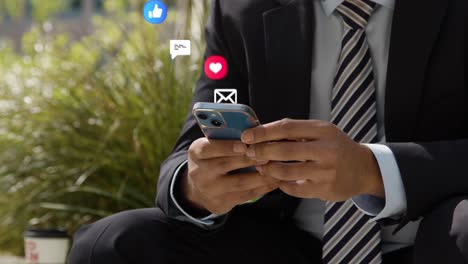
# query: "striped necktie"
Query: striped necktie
{"points": [[349, 235]]}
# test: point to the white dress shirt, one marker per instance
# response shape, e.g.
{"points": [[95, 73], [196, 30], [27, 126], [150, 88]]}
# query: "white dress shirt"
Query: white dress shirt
{"points": [[328, 32]]}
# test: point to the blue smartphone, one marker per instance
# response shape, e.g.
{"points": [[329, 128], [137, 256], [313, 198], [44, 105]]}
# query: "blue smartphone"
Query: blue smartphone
{"points": [[224, 121]]}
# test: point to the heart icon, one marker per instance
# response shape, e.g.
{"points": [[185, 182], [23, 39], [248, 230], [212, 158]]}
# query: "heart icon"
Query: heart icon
{"points": [[216, 67]]}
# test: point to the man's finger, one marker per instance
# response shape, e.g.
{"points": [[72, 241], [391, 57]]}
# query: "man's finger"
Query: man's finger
{"points": [[287, 151], [223, 165], [241, 182], [244, 196], [204, 148], [286, 129], [307, 170], [304, 189]]}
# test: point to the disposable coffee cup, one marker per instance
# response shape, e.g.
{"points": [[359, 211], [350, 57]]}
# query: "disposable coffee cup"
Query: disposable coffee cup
{"points": [[46, 246]]}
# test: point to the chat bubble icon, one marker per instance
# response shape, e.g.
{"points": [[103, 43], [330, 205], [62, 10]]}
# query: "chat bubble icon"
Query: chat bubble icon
{"points": [[180, 48]]}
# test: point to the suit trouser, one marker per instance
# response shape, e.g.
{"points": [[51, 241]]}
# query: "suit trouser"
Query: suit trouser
{"points": [[148, 236]]}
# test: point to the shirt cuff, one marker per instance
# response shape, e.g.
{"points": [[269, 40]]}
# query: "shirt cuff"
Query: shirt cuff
{"points": [[208, 220], [394, 203]]}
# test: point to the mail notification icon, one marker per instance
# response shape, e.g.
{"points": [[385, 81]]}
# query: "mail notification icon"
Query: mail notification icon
{"points": [[225, 96]]}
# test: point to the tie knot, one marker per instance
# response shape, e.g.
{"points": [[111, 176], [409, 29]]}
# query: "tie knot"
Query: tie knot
{"points": [[356, 13]]}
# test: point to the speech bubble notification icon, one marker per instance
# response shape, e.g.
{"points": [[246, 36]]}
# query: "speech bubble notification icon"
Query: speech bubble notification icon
{"points": [[216, 67], [180, 48]]}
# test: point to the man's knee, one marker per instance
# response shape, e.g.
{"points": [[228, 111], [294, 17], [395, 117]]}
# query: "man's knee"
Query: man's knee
{"points": [[122, 238], [443, 234]]}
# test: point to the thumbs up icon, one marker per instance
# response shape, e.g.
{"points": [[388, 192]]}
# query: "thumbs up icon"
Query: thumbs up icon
{"points": [[155, 12]]}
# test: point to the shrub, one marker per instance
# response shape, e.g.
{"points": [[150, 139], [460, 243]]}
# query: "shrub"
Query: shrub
{"points": [[85, 125]]}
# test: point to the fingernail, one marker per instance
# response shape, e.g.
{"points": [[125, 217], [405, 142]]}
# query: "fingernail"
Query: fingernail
{"points": [[262, 162], [239, 148], [247, 137], [250, 152], [259, 169]]}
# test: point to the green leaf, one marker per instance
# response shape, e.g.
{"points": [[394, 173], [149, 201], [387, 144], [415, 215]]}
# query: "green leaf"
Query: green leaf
{"points": [[74, 209]]}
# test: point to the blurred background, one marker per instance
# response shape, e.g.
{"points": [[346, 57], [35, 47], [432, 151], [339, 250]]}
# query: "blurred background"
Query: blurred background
{"points": [[90, 105]]}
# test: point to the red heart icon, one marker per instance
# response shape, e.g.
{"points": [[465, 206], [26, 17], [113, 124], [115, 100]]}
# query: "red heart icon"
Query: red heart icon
{"points": [[216, 67]]}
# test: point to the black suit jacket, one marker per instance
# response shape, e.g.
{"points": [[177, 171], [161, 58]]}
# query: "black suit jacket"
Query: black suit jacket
{"points": [[268, 45]]}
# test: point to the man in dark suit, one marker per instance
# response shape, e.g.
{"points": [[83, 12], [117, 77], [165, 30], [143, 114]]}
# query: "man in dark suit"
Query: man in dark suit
{"points": [[387, 79]]}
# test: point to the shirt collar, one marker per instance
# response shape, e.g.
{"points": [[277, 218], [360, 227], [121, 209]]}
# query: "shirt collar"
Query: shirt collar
{"points": [[329, 6]]}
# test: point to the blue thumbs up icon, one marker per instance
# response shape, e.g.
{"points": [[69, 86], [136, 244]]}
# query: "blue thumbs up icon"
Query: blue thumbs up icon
{"points": [[155, 12]]}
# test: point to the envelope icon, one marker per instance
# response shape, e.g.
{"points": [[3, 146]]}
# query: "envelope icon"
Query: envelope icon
{"points": [[225, 96]]}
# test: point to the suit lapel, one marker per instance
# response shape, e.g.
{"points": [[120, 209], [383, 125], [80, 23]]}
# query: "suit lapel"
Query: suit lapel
{"points": [[415, 28], [288, 47]]}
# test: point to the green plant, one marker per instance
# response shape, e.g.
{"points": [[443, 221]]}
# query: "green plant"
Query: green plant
{"points": [[85, 125]]}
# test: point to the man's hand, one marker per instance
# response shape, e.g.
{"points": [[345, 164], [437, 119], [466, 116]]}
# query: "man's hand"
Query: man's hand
{"points": [[208, 184], [327, 164]]}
